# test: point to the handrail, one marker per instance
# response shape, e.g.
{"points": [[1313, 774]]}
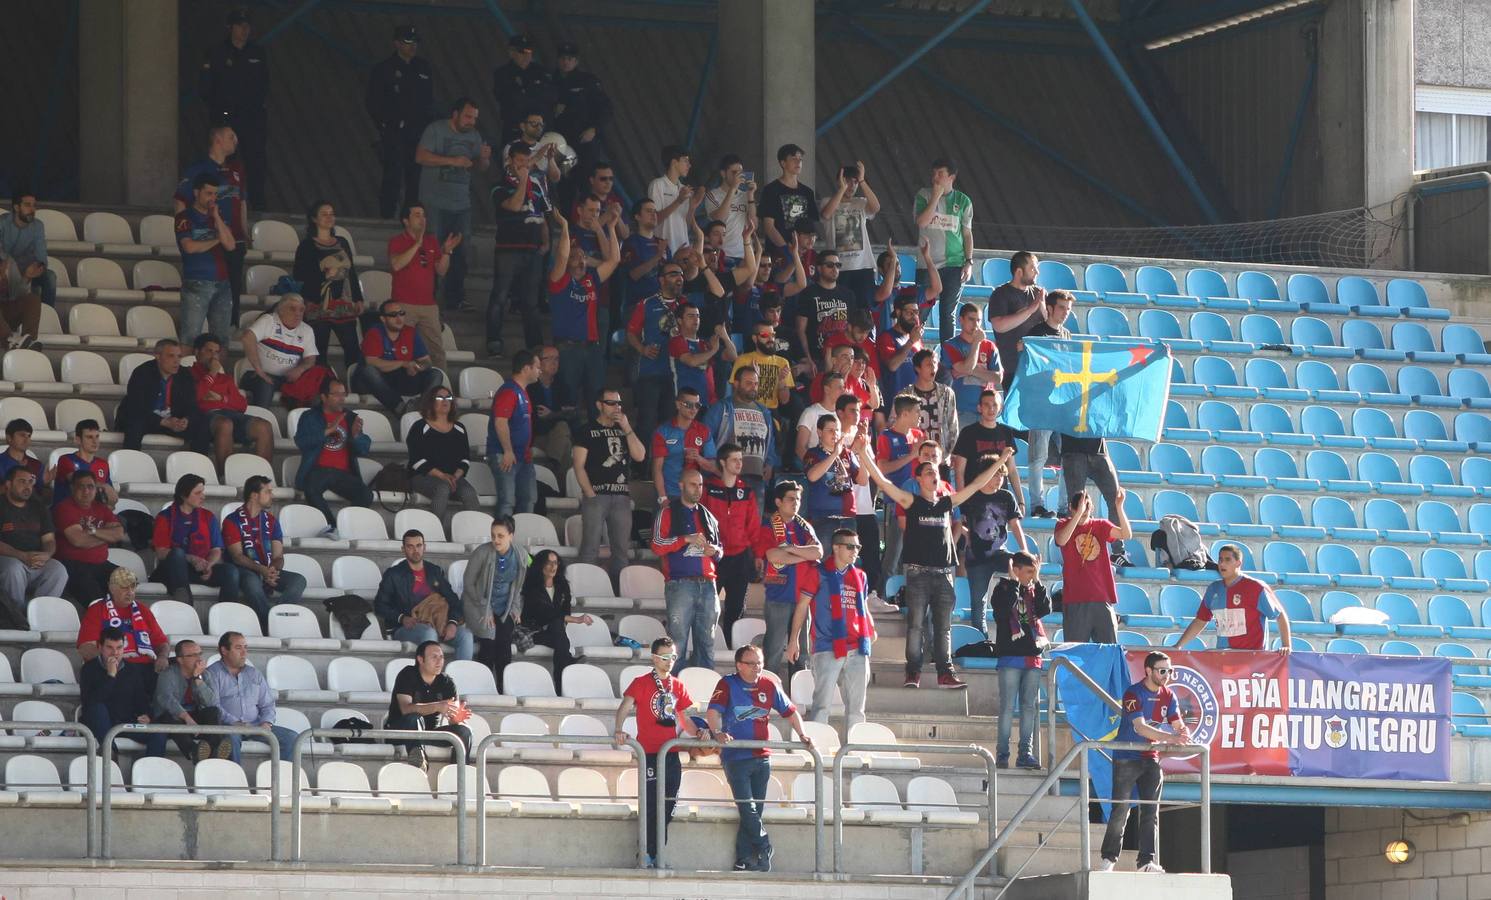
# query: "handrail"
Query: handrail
{"points": [[1078, 752], [1056, 663], [479, 755], [990, 769], [91, 797], [131, 729], [660, 810], [414, 735]]}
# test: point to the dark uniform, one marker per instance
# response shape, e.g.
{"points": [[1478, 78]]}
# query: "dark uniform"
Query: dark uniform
{"points": [[234, 83], [581, 104], [400, 97], [521, 91]]}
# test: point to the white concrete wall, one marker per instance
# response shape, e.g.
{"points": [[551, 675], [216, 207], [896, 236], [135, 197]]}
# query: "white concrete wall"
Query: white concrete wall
{"points": [[1452, 860]]}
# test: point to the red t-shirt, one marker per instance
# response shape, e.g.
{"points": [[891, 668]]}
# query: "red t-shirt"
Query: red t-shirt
{"points": [[335, 451], [94, 621], [67, 514], [655, 707], [421, 587], [415, 283], [220, 383], [1086, 571]]}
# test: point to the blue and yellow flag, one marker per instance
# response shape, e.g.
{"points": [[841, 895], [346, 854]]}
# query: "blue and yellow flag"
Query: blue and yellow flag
{"points": [[1090, 389]]}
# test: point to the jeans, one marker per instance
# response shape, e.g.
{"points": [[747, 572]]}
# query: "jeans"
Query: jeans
{"points": [[613, 514], [45, 286], [1024, 686], [693, 606], [980, 576], [861, 283], [497, 651], [515, 283], [1076, 468], [748, 779], [929, 589], [1093, 622], [890, 560], [256, 593], [672, 777], [868, 525], [19, 581], [1127, 773], [345, 483], [947, 301], [96, 716], [347, 336], [1039, 443], [177, 575], [186, 743], [412, 722], [284, 735], [439, 492], [259, 391], [653, 396], [582, 366], [392, 387], [517, 488], [463, 642], [778, 623], [733, 573], [554, 636], [825, 526], [851, 673], [442, 224], [205, 303]]}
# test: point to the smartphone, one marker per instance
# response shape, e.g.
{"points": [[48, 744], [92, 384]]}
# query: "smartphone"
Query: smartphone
{"points": [[747, 177]]}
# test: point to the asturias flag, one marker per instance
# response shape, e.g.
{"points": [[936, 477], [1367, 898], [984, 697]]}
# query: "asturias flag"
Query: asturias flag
{"points": [[1090, 389]]}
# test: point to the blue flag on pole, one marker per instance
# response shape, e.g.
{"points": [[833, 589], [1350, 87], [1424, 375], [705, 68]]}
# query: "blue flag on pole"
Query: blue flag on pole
{"points": [[1087, 715], [1098, 389]]}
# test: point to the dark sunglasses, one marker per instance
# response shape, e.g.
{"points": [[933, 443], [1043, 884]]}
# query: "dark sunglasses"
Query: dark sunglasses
{"points": [[398, 314]]}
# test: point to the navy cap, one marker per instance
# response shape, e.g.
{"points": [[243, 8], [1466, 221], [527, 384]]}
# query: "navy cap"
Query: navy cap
{"points": [[520, 42], [406, 34], [568, 48], [238, 16]]}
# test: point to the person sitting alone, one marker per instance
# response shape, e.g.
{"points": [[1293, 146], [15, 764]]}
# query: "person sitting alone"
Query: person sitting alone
{"points": [[424, 699], [395, 361]]}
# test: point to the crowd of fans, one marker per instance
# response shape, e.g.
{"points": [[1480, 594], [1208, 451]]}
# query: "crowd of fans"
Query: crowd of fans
{"points": [[780, 383]]}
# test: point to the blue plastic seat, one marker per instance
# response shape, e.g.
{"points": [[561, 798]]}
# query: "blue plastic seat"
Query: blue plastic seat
{"points": [[1469, 387], [1447, 569], [908, 267], [1327, 467], [1474, 429], [995, 271], [1159, 325], [1272, 422], [1483, 570], [1332, 602], [1105, 321], [1100, 278], [1221, 421], [1220, 377], [1383, 473], [1304, 288], [1216, 334], [1249, 563], [1207, 284], [1156, 281], [1123, 456], [1365, 339], [1295, 643], [1345, 645], [1226, 464], [1403, 615], [1370, 381], [1475, 473], [1408, 295], [1320, 379], [1377, 429], [1287, 560], [1393, 565], [1478, 519], [1357, 293], [1226, 508], [1344, 567], [1384, 514], [1134, 608], [1175, 464], [1178, 424], [1440, 520], [1469, 715], [1131, 639], [1257, 286], [1278, 467], [1259, 329], [1399, 648], [1317, 338], [1283, 514], [1270, 379], [1052, 275], [1338, 519], [1194, 644], [1433, 472], [1415, 341], [1325, 424], [1302, 617], [1465, 342], [1427, 429], [1179, 603], [1423, 386], [1174, 503], [1453, 614]]}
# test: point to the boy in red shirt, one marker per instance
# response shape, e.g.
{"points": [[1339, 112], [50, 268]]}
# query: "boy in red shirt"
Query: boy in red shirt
{"points": [[1088, 591]]}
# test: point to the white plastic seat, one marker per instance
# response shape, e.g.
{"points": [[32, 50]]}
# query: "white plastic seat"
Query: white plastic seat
{"points": [[802, 692], [131, 467], [30, 369], [129, 362], [176, 619], [394, 666], [528, 723], [875, 733], [409, 789], [77, 781], [36, 711], [595, 639], [628, 675], [264, 778], [42, 664], [154, 274], [225, 785], [260, 278], [270, 236], [189, 462], [52, 614], [355, 573], [535, 531], [596, 754], [476, 433], [364, 528], [330, 717], [295, 679], [804, 792], [224, 616], [356, 680], [72, 410], [699, 682], [163, 783], [528, 790], [528, 681], [376, 287], [149, 323], [159, 231], [474, 682], [308, 568], [25, 408], [111, 229], [97, 273], [240, 467], [34, 781], [347, 785], [129, 559], [642, 629], [877, 795], [98, 326], [291, 718], [747, 631], [298, 627], [298, 520], [421, 520], [479, 382], [87, 367], [375, 426], [706, 796], [588, 580], [935, 799], [587, 788], [590, 685], [445, 784], [642, 582], [58, 227], [471, 526]]}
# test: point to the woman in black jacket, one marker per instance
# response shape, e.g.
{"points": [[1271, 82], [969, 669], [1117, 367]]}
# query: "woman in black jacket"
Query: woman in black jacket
{"points": [[1019, 603], [439, 451], [329, 283], [547, 608]]}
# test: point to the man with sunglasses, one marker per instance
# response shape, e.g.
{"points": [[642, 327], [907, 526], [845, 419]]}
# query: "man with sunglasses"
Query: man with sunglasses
{"points": [[1147, 705], [602, 461], [661, 704], [396, 363], [823, 310], [833, 593], [681, 444], [653, 323]]}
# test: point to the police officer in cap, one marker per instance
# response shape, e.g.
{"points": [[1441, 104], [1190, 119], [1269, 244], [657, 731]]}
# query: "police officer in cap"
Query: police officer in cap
{"points": [[234, 83], [521, 87], [401, 94], [583, 107]]}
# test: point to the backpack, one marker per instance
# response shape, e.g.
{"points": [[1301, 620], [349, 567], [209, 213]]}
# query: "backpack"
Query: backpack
{"points": [[1177, 544]]}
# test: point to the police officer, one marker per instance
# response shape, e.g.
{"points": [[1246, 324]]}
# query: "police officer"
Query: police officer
{"points": [[583, 107], [401, 93], [234, 83], [521, 88]]}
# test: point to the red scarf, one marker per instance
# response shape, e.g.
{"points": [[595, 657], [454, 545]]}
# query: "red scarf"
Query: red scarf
{"points": [[137, 628]]}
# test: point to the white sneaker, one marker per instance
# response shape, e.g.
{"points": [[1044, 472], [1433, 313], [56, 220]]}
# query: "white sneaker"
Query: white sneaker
{"points": [[1107, 865], [329, 532], [1152, 867]]}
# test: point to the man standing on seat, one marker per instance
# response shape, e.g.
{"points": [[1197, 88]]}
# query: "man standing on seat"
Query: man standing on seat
{"points": [[944, 216], [1015, 309], [834, 594], [1241, 606], [686, 537], [680, 444], [161, 398], [1057, 307], [227, 172], [1147, 705], [204, 240], [786, 543], [510, 438], [493, 595], [424, 699], [737, 509], [403, 601], [256, 546], [1088, 593], [330, 440], [738, 710]]}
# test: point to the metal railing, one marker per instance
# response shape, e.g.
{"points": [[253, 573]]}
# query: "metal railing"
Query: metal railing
{"points": [[129, 729], [1078, 752], [413, 735], [1053, 664], [90, 798], [660, 801], [479, 755], [846, 750]]}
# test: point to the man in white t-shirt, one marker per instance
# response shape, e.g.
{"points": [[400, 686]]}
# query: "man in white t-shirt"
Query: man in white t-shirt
{"points": [[734, 203], [279, 347], [807, 423], [847, 214], [675, 201]]}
